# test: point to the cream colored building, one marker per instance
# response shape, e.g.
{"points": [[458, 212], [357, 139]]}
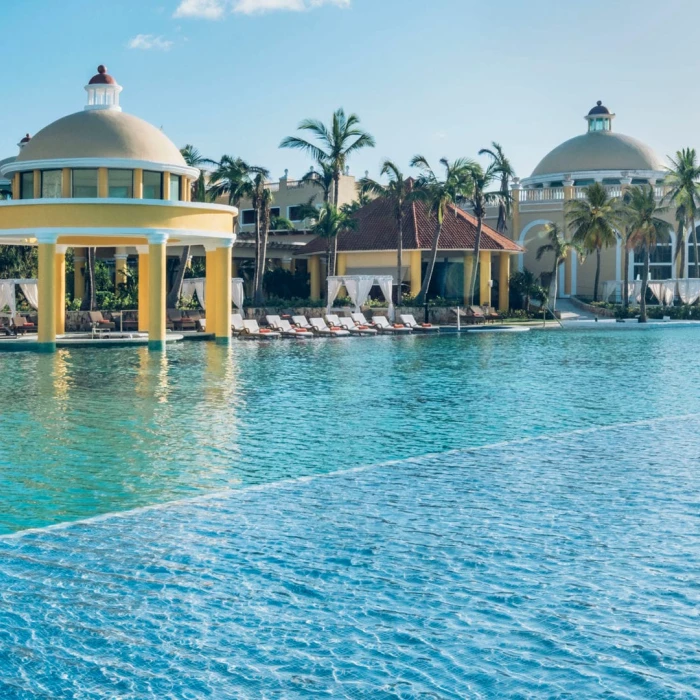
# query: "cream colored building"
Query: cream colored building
{"points": [[598, 155]]}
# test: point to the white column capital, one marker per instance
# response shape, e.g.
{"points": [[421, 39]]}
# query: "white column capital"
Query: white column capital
{"points": [[61, 249], [46, 237], [121, 256], [142, 249], [157, 238]]}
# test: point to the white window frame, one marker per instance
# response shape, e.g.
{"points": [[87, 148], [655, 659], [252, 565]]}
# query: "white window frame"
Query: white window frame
{"points": [[243, 211]]}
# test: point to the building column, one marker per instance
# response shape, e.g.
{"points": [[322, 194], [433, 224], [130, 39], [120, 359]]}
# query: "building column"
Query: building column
{"points": [[102, 183], [485, 278], [138, 183], [210, 295], [79, 258], [342, 264], [504, 282], [47, 294], [468, 276], [66, 184], [157, 246], [315, 272], [416, 273], [222, 292], [143, 288], [120, 267], [60, 283]]}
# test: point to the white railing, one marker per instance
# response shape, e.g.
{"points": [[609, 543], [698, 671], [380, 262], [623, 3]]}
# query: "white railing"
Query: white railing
{"points": [[557, 194], [542, 194]]}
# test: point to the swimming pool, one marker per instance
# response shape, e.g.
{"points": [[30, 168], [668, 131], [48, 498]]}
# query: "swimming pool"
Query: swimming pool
{"points": [[396, 517]]}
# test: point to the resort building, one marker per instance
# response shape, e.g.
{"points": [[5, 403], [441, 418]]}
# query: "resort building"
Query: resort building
{"points": [[599, 155], [103, 178], [371, 249]]}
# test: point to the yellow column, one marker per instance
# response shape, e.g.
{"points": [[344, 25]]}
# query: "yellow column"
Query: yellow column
{"points": [[468, 276], [484, 277], [138, 183], [210, 296], [342, 265], [143, 289], [15, 186], [504, 282], [79, 256], [37, 184], [120, 266], [60, 290], [223, 295], [315, 272], [156, 294], [184, 189], [416, 273], [47, 297], [166, 186], [102, 183], [66, 191]]}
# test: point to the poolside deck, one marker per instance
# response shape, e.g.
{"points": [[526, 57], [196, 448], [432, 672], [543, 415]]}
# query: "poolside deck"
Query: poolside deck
{"points": [[73, 340]]}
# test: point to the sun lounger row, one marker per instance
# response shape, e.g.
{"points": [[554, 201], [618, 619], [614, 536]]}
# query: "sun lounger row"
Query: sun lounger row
{"points": [[333, 326], [479, 314]]}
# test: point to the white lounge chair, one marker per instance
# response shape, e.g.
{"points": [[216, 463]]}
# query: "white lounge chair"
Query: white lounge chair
{"points": [[237, 326], [359, 318], [301, 322], [409, 321], [350, 325], [252, 330], [320, 328], [286, 329], [382, 324]]}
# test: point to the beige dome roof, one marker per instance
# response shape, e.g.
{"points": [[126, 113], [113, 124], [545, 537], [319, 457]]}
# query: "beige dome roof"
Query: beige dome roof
{"points": [[6, 161], [598, 150], [103, 133]]}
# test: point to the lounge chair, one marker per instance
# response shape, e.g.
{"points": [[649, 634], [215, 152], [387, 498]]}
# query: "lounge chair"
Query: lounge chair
{"points": [[409, 321], [22, 325], [286, 329], [334, 321], [180, 322], [99, 322], [237, 326], [320, 328], [252, 330], [130, 321], [491, 314], [359, 329], [301, 322], [382, 324], [360, 319]]}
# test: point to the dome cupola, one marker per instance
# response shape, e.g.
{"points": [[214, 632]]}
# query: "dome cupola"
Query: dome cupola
{"points": [[599, 118], [103, 91]]}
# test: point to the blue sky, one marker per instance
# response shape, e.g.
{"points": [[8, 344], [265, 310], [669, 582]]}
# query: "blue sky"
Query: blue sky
{"points": [[437, 77]]}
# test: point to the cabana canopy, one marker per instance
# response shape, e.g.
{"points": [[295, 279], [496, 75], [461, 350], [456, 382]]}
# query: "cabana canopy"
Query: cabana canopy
{"points": [[664, 290], [359, 287], [198, 285], [8, 290]]}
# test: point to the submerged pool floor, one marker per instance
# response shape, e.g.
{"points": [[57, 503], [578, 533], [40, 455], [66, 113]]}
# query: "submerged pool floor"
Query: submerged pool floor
{"points": [[550, 567]]}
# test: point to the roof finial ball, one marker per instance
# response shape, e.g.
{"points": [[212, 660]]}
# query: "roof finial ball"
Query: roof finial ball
{"points": [[599, 118], [103, 91]]}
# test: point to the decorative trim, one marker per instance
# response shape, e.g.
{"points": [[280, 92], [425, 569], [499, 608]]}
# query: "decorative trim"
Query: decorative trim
{"points": [[591, 175], [157, 238], [50, 235], [113, 200], [45, 236], [116, 163]]}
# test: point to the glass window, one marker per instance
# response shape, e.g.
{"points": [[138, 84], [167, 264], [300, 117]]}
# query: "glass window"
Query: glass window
{"points": [[51, 184], [121, 184], [294, 213], [274, 212], [247, 217], [85, 183], [152, 185], [26, 185], [174, 188]]}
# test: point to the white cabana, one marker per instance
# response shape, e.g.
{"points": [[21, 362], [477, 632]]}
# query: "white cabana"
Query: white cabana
{"points": [[198, 286], [664, 291], [689, 290], [8, 290], [359, 287]]}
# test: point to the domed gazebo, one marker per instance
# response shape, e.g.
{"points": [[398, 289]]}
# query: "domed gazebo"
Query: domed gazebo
{"points": [[104, 178]]}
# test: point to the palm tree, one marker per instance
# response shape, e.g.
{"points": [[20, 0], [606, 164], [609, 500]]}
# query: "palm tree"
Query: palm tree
{"points": [[335, 145], [504, 168], [647, 229], [682, 179], [592, 223], [261, 199], [232, 178], [439, 195], [89, 301], [330, 221], [479, 198], [194, 159], [323, 180], [397, 191], [561, 249]]}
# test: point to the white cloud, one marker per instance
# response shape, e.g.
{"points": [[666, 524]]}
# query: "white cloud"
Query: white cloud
{"points": [[150, 42], [204, 9], [215, 9]]}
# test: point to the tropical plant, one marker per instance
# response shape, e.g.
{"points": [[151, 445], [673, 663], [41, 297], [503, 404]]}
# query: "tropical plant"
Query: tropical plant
{"points": [[478, 197], [624, 236], [89, 302], [592, 223], [261, 199], [524, 285], [647, 230], [335, 145], [324, 179], [684, 188], [560, 247], [329, 222], [397, 191], [439, 194], [505, 170]]}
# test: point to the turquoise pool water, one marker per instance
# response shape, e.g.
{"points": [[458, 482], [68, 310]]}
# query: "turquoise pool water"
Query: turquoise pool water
{"points": [[490, 516]]}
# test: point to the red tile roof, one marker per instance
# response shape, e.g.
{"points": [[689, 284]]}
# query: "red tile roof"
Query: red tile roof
{"points": [[377, 230]]}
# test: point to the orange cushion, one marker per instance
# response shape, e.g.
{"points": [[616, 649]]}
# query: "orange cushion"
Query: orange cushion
{"points": [[265, 330], [398, 325], [336, 328], [426, 325]]}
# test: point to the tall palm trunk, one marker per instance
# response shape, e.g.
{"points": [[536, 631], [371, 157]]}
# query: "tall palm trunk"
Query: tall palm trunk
{"points": [[334, 247], [555, 284], [257, 250], [645, 284], [423, 294], [260, 271], [695, 248], [475, 266], [597, 273], [176, 290], [626, 278], [90, 298], [399, 256], [680, 251]]}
